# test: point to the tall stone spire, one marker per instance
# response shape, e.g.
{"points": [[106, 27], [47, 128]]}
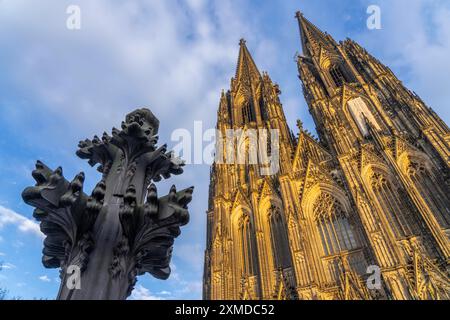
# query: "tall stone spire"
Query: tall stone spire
{"points": [[246, 70], [239, 262], [312, 35]]}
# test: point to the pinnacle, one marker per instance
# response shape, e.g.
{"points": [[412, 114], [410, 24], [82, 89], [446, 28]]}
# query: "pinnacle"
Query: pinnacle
{"points": [[246, 66]]}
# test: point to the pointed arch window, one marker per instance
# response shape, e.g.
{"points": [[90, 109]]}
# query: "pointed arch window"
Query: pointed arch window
{"points": [[336, 232], [397, 212], [361, 113], [430, 189], [248, 114], [216, 253], [262, 109], [279, 239], [337, 75], [248, 245]]}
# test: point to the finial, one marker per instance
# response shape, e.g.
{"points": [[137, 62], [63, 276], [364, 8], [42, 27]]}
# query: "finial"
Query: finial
{"points": [[299, 14], [300, 125], [242, 42]]}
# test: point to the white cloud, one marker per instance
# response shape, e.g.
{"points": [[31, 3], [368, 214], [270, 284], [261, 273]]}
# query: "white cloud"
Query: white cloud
{"points": [[7, 266], [192, 287], [164, 54], [2, 254], [174, 275], [418, 46], [8, 216], [18, 244], [142, 293], [45, 278]]}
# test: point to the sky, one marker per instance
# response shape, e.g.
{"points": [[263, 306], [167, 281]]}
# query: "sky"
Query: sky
{"points": [[59, 86]]}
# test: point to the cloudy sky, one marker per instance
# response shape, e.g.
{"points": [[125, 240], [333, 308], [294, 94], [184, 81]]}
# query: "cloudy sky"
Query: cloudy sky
{"points": [[58, 86]]}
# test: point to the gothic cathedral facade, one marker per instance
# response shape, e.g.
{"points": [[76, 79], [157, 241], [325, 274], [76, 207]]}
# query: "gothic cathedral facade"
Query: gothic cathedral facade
{"points": [[370, 195]]}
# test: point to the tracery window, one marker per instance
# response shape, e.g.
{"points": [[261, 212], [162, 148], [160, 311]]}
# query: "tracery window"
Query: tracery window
{"points": [[360, 113], [279, 239], [397, 212], [216, 253], [431, 191], [337, 76], [262, 109], [247, 113], [248, 246], [333, 225]]}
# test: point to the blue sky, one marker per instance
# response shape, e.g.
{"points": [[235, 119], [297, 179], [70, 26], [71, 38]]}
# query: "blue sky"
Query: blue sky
{"points": [[60, 86]]}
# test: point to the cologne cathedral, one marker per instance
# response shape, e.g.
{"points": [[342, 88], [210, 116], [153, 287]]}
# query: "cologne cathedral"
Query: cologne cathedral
{"points": [[369, 195]]}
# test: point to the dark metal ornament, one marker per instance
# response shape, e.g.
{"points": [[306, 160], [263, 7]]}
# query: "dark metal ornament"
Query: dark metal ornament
{"points": [[122, 229]]}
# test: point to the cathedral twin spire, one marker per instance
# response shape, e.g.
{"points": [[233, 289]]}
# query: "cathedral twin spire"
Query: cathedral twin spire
{"points": [[371, 194]]}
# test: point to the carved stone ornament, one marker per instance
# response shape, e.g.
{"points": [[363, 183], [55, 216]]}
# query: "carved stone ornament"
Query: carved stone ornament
{"points": [[102, 242]]}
